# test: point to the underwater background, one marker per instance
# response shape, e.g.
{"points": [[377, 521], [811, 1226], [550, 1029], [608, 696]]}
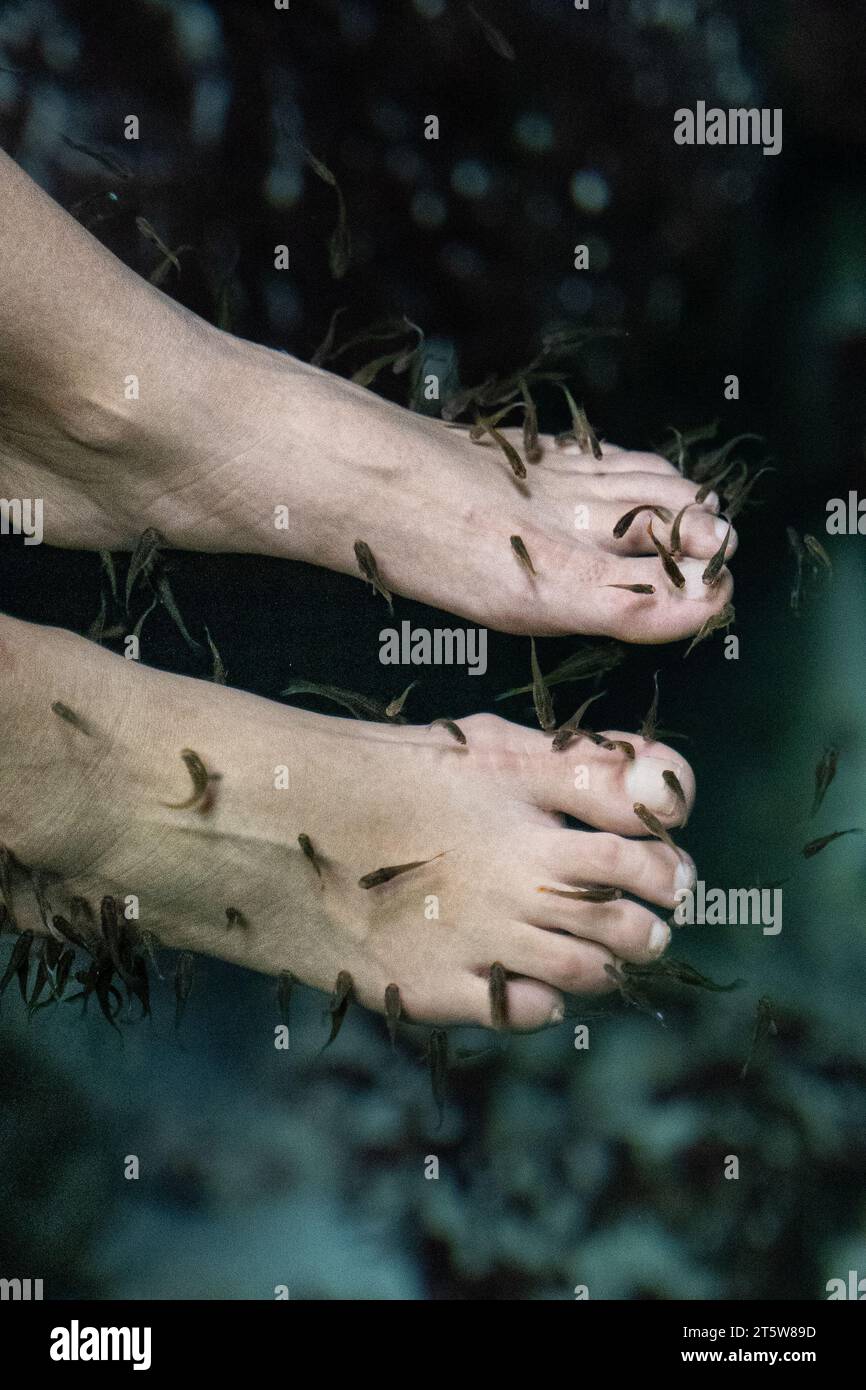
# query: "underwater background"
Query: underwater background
{"points": [[559, 1167]]}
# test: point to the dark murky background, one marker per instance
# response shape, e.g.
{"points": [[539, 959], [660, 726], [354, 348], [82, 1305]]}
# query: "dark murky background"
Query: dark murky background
{"points": [[558, 1167]]}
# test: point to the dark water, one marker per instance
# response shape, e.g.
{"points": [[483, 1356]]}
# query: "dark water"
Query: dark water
{"points": [[557, 1167]]}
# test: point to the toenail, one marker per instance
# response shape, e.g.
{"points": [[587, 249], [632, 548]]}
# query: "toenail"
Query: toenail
{"points": [[557, 1013], [711, 501], [720, 526], [659, 936], [685, 874], [645, 782]]}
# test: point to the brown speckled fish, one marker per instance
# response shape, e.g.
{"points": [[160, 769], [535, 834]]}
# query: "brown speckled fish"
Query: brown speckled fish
{"points": [[522, 554], [393, 1012], [379, 876], [370, 570], [70, 717], [340, 1000], [200, 778], [541, 697], [498, 989]]}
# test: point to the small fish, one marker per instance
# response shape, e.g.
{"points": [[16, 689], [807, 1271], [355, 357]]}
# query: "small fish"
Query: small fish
{"points": [[583, 431], [735, 499], [369, 569], [497, 40], [136, 631], [672, 782], [106, 559], [393, 1012], [144, 557], [650, 720], [437, 1061], [708, 465], [307, 846], [653, 824], [366, 375], [675, 452], [585, 664], [108, 161], [396, 706], [170, 259], [83, 919], [815, 846], [96, 631], [632, 588], [585, 895], [799, 556], [39, 886], [284, 995], [484, 423], [225, 292], [713, 571], [64, 712], [684, 439], [669, 564], [149, 232], [498, 989], [323, 351], [824, 774], [531, 446], [461, 401], [713, 483], [379, 876], [138, 985], [623, 745], [115, 936], [361, 706], [632, 996], [453, 729], [167, 599], [676, 543], [63, 971], [18, 965], [765, 1027], [339, 246], [723, 618], [817, 551], [625, 521], [598, 739], [8, 866], [541, 697], [515, 462], [201, 780], [218, 671], [377, 333], [571, 728], [66, 929], [100, 977], [340, 1000], [235, 918], [183, 973], [522, 554], [681, 973], [42, 978], [151, 943]]}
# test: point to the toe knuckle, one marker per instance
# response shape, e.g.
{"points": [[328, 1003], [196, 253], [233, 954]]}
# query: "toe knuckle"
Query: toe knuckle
{"points": [[610, 856]]}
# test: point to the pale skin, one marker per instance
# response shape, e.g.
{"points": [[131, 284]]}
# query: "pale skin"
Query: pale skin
{"points": [[223, 432]]}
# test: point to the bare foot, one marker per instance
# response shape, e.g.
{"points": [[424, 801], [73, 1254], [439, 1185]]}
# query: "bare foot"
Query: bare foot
{"points": [[227, 441], [88, 808]]}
